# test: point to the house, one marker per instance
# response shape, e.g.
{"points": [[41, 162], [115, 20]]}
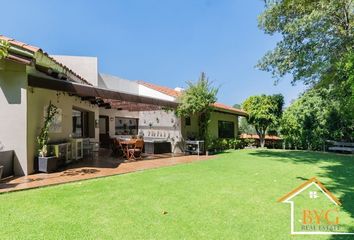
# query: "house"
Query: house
{"points": [[223, 119], [91, 106]]}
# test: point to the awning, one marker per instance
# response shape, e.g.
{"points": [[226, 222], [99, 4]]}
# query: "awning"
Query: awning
{"points": [[83, 90]]}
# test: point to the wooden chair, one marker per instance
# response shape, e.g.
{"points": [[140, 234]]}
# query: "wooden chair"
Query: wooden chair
{"points": [[117, 148], [137, 150]]}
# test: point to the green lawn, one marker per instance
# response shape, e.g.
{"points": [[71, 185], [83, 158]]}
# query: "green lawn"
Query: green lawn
{"points": [[230, 197]]}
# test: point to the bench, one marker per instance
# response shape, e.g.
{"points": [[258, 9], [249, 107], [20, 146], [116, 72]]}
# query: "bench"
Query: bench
{"points": [[341, 146]]}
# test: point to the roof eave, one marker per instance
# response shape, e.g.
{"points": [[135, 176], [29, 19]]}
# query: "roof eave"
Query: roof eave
{"points": [[243, 114]]}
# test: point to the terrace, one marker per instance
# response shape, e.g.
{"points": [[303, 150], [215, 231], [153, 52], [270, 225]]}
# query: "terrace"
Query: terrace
{"points": [[101, 166], [95, 113]]}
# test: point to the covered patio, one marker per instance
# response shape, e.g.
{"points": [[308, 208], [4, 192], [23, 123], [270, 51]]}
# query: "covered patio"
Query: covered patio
{"points": [[89, 168], [104, 107], [111, 115]]}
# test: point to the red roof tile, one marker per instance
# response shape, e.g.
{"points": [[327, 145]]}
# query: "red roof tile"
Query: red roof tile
{"points": [[25, 46], [229, 108], [34, 49]]}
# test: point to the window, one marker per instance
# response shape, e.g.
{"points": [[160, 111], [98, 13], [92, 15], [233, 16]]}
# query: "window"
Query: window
{"points": [[80, 124], [226, 129], [126, 126], [188, 121]]}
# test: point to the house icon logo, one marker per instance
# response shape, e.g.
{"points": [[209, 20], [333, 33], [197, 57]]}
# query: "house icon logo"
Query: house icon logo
{"points": [[315, 210]]}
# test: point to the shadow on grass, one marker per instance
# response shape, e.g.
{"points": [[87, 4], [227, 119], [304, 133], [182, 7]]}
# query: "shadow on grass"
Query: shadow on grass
{"points": [[339, 168]]}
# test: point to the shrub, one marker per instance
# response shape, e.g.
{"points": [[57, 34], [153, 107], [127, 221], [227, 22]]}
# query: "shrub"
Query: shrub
{"points": [[221, 144]]}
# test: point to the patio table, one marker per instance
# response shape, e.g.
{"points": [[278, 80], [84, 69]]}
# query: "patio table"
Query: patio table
{"points": [[125, 145]]}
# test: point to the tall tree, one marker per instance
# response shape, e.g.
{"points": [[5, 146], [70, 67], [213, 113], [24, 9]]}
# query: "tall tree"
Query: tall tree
{"points": [[316, 48], [263, 111], [236, 105], [316, 35], [315, 117], [197, 100]]}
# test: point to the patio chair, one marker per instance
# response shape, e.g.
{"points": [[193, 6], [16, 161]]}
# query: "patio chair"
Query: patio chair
{"points": [[87, 148], [137, 150], [117, 149], [90, 148]]}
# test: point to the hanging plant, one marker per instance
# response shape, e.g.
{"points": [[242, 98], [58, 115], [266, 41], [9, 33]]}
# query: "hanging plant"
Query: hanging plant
{"points": [[43, 137]]}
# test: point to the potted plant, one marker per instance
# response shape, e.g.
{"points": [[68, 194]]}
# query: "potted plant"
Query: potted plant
{"points": [[46, 163]]}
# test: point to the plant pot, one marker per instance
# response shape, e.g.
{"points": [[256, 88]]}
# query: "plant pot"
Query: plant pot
{"points": [[47, 164], [35, 164], [1, 169]]}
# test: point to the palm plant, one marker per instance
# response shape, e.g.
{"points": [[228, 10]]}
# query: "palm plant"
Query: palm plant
{"points": [[198, 99]]}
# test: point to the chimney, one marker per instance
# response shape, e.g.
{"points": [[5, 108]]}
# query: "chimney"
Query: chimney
{"points": [[178, 89]]}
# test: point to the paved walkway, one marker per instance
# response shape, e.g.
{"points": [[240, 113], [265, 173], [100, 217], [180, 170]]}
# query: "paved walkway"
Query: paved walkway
{"points": [[87, 169]]}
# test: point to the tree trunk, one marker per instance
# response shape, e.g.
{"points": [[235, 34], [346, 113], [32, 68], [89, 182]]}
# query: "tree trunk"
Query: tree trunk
{"points": [[261, 135], [261, 141]]}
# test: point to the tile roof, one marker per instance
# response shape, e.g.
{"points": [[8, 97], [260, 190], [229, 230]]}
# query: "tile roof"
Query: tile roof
{"points": [[34, 49], [173, 93], [255, 136], [25, 46], [229, 108]]}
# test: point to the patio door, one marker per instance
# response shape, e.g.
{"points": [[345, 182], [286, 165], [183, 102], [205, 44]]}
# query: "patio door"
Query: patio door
{"points": [[104, 131]]}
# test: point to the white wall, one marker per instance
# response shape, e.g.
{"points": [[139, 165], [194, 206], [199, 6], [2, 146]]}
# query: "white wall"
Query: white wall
{"points": [[148, 92], [128, 86], [112, 113], [86, 67], [161, 125], [118, 84]]}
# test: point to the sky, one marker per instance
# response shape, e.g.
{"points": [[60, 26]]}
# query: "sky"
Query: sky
{"points": [[166, 42]]}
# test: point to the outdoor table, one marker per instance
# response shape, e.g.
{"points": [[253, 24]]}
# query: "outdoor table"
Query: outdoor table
{"points": [[125, 145]]}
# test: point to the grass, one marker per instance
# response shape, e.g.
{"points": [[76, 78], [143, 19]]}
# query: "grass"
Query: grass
{"points": [[230, 197]]}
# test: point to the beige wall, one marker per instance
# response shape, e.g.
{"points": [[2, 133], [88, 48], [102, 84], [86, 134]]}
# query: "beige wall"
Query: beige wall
{"points": [[193, 129], [215, 117], [13, 104], [37, 100]]}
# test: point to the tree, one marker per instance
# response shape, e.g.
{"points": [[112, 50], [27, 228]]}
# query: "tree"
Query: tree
{"points": [[4, 46], [316, 35], [236, 105], [245, 127], [317, 48], [263, 112], [197, 99], [315, 117]]}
